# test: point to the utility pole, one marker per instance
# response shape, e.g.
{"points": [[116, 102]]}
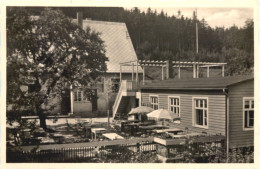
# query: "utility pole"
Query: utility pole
{"points": [[197, 36]]}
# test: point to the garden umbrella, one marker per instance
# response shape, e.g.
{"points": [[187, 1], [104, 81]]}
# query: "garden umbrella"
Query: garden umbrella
{"points": [[140, 110], [163, 114]]}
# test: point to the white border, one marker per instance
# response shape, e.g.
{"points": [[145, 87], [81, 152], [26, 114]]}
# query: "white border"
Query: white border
{"points": [[127, 3], [193, 112], [243, 114]]}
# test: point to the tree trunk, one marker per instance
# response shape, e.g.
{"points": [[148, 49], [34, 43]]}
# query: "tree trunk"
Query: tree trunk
{"points": [[37, 88], [42, 120]]}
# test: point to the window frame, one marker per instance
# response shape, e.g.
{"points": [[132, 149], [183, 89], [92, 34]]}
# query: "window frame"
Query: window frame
{"points": [[115, 81], [194, 112], [101, 84], [82, 96], [150, 100], [169, 105], [250, 99]]}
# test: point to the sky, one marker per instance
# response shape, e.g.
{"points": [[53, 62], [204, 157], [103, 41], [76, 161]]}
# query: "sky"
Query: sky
{"points": [[220, 17]]}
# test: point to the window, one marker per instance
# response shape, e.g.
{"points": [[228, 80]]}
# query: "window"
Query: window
{"points": [[154, 102], [248, 113], [174, 105], [77, 95], [100, 86], [200, 112], [115, 85]]}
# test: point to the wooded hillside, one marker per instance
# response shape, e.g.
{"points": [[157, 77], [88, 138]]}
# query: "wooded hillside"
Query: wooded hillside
{"points": [[157, 36]]}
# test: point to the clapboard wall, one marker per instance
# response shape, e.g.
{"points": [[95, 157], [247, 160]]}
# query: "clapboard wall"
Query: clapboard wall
{"points": [[239, 137], [216, 107]]}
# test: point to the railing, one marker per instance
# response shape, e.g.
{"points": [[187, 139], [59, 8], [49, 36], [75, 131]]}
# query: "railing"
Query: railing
{"points": [[125, 86], [118, 98], [192, 150], [82, 154]]}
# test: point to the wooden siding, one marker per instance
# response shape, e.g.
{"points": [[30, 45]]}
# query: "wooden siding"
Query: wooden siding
{"points": [[238, 137], [216, 108]]}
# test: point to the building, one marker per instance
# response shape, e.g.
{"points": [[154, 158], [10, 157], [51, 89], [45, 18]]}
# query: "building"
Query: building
{"points": [[223, 105], [213, 105], [119, 48]]}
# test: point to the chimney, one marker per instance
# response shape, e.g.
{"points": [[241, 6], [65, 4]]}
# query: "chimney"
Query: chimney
{"points": [[169, 69], [80, 18]]}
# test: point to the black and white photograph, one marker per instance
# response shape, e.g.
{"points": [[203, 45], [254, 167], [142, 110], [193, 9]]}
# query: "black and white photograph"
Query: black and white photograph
{"points": [[144, 84]]}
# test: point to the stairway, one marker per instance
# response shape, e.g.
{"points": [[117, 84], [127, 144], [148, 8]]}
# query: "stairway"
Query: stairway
{"points": [[127, 89], [122, 108]]}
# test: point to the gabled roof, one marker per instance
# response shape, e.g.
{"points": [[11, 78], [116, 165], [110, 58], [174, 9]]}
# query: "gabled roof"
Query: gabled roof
{"points": [[118, 45], [199, 83]]}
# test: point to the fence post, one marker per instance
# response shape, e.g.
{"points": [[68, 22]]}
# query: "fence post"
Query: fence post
{"points": [[138, 147]]}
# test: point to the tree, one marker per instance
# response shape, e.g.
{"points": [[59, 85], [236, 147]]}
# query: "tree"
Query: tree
{"points": [[49, 54]]}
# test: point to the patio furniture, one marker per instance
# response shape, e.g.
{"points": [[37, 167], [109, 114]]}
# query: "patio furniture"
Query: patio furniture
{"points": [[96, 131], [113, 136], [194, 134], [188, 135], [148, 122], [163, 114], [132, 128], [140, 110], [149, 129], [152, 127], [172, 130]]}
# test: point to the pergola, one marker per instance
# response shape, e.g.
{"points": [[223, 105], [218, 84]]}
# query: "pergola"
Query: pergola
{"points": [[165, 67]]}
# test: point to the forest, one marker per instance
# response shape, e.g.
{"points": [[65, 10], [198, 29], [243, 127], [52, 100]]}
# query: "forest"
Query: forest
{"points": [[157, 36]]}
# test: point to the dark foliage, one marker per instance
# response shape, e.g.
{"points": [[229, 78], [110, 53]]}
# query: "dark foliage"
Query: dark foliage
{"points": [[45, 56], [157, 36]]}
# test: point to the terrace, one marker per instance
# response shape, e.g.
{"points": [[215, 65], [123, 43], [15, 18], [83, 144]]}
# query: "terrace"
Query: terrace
{"points": [[84, 141]]}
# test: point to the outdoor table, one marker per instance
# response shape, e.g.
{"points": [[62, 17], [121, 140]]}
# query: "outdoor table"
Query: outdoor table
{"points": [[178, 136], [172, 130], [113, 136], [194, 134], [186, 135], [95, 131], [152, 127]]}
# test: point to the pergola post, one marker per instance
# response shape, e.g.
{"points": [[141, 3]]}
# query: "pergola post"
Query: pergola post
{"points": [[179, 72], [162, 73], [143, 74], [167, 69], [133, 68], [208, 72], [194, 70], [120, 73], [197, 71], [223, 71]]}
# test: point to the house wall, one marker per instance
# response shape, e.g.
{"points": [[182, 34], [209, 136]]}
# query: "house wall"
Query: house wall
{"points": [[216, 108], [82, 107], [238, 137], [102, 103]]}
